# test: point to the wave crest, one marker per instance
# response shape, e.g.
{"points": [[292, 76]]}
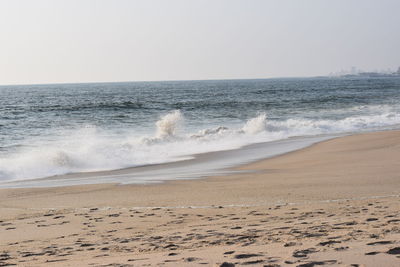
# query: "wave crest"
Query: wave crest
{"points": [[168, 125], [256, 125]]}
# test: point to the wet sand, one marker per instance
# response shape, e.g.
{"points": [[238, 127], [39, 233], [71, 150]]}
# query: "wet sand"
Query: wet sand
{"points": [[335, 203]]}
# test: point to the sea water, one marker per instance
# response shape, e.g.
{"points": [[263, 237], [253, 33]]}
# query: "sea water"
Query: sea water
{"points": [[57, 129]]}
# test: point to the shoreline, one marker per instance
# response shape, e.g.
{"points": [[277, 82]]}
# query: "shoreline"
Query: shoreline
{"points": [[332, 203], [169, 171], [198, 166]]}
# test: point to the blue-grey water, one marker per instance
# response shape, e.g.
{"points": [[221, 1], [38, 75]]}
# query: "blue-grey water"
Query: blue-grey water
{"points": [[56, 129]]}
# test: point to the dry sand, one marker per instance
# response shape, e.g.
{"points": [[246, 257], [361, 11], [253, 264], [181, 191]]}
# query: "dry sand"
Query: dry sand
{"points": [[335, 203]]}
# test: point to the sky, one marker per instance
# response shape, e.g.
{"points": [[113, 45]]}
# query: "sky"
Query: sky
{"points": [[55, 41]]}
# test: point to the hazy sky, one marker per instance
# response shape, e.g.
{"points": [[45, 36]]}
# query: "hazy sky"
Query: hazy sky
{"points": [[84, 41]]}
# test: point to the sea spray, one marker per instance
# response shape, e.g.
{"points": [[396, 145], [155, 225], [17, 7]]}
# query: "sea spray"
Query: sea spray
{"points": [[256, 125], [168, 125]]}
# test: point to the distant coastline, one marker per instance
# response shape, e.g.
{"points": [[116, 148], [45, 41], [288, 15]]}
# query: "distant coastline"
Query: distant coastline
{"points": [[354, 73]]}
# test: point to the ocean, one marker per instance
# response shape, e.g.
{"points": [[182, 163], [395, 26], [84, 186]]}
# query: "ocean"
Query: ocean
{"points": [[58, 129]]}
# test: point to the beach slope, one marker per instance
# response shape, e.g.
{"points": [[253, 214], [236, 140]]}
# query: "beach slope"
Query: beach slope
{"points": [[334, 203]]}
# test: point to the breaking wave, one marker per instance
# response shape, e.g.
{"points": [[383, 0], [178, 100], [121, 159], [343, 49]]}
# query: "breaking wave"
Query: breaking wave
{"points": [[168, 125], [89, 149], [256, 125]]}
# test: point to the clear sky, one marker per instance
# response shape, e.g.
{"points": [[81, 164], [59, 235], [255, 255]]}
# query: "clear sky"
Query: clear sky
{"points": [[50, 41]]}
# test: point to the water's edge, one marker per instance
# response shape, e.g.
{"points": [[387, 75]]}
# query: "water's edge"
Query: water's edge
{"points": [[202, 165]]}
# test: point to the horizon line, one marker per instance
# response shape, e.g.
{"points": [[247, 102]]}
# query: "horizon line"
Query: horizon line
{"points": [[172, 80]]}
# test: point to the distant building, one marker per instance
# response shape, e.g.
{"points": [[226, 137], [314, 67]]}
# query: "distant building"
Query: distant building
{"points": [[398, 71], [370, 74]]}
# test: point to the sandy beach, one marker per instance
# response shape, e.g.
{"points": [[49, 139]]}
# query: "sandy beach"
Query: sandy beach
{"points": [[335, 203]]}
